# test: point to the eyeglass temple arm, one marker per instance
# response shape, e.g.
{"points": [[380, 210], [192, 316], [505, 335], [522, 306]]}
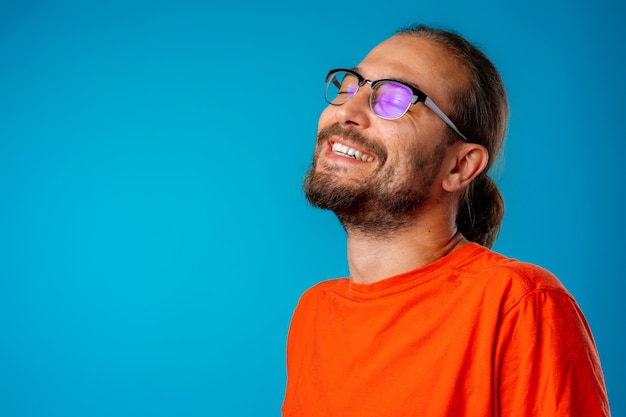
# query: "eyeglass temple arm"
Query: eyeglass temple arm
{"points": [[431, 105]]}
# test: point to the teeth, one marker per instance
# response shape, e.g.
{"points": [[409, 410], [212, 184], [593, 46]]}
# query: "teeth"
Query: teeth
{"points": [[340, 149]]}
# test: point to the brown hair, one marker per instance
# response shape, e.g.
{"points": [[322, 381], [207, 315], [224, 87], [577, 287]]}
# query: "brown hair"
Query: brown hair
{"points": [[481, 112]]}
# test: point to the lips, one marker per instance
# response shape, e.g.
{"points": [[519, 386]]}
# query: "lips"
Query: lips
{"points": [[344, 150]]}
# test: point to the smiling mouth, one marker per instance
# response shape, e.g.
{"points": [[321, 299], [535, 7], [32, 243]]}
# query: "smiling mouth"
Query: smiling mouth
{"points": [[344, 150]]}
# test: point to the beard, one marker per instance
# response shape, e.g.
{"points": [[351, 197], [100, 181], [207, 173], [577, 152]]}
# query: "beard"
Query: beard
{"points": [[382, 203]]}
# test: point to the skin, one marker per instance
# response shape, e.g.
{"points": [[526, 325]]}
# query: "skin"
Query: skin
{"points": [[430, 232]]}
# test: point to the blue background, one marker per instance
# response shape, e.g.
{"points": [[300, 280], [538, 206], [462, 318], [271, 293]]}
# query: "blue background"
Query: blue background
{"points": [[154, 239]]}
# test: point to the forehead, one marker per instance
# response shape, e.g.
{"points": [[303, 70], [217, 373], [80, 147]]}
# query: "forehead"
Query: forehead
{"points": [[423, 63]]}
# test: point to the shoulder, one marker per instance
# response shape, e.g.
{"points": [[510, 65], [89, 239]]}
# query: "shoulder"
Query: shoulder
{"points": [[514, 278], [488, 263], [313, 304], [322, 289]]}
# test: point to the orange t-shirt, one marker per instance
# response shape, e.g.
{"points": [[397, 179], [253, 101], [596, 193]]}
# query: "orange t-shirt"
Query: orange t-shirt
{"points": [[472, 334]]}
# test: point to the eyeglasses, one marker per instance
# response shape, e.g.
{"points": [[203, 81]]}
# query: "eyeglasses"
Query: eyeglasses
{"points": [[390, 99]]}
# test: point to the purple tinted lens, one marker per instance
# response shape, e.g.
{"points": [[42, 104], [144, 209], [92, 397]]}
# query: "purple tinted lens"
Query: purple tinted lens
{"points": [[341, 87], [391, 100], [352, 89]]}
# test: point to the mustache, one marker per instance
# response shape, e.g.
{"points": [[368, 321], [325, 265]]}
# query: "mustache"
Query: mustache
{"points": [[353, 136]]}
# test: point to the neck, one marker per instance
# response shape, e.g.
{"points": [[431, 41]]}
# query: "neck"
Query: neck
{"points": [[373, 258]]}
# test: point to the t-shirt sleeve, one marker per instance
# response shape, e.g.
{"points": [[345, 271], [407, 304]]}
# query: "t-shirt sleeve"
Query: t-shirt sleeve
{"points": [[546, 360]]}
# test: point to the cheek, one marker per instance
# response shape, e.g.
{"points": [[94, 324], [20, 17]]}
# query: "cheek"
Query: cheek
{"points": [[327, 117]]}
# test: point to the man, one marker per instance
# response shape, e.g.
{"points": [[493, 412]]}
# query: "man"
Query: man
{"points": [[430, 322]]}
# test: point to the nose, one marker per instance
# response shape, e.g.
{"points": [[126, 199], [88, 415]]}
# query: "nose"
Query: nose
{"points": [[356, 113]]}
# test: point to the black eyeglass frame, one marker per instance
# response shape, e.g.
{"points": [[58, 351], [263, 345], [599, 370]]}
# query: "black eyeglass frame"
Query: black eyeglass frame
{"points": [[418, 96]]}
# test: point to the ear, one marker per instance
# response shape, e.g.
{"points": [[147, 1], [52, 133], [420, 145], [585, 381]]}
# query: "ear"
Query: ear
{"points": [[466, 162]]}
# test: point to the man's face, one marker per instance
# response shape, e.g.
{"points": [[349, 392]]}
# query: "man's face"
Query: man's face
{"points": [[377, 175]]}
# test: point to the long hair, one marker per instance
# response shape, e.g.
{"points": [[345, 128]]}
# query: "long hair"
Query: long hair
{"points": [[480, 110]]}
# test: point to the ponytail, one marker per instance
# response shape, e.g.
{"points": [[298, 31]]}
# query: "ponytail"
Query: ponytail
{"points": [[481, 211]]}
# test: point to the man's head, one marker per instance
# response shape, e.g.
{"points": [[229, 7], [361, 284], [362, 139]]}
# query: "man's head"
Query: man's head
{"points": [[380, 175]]}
